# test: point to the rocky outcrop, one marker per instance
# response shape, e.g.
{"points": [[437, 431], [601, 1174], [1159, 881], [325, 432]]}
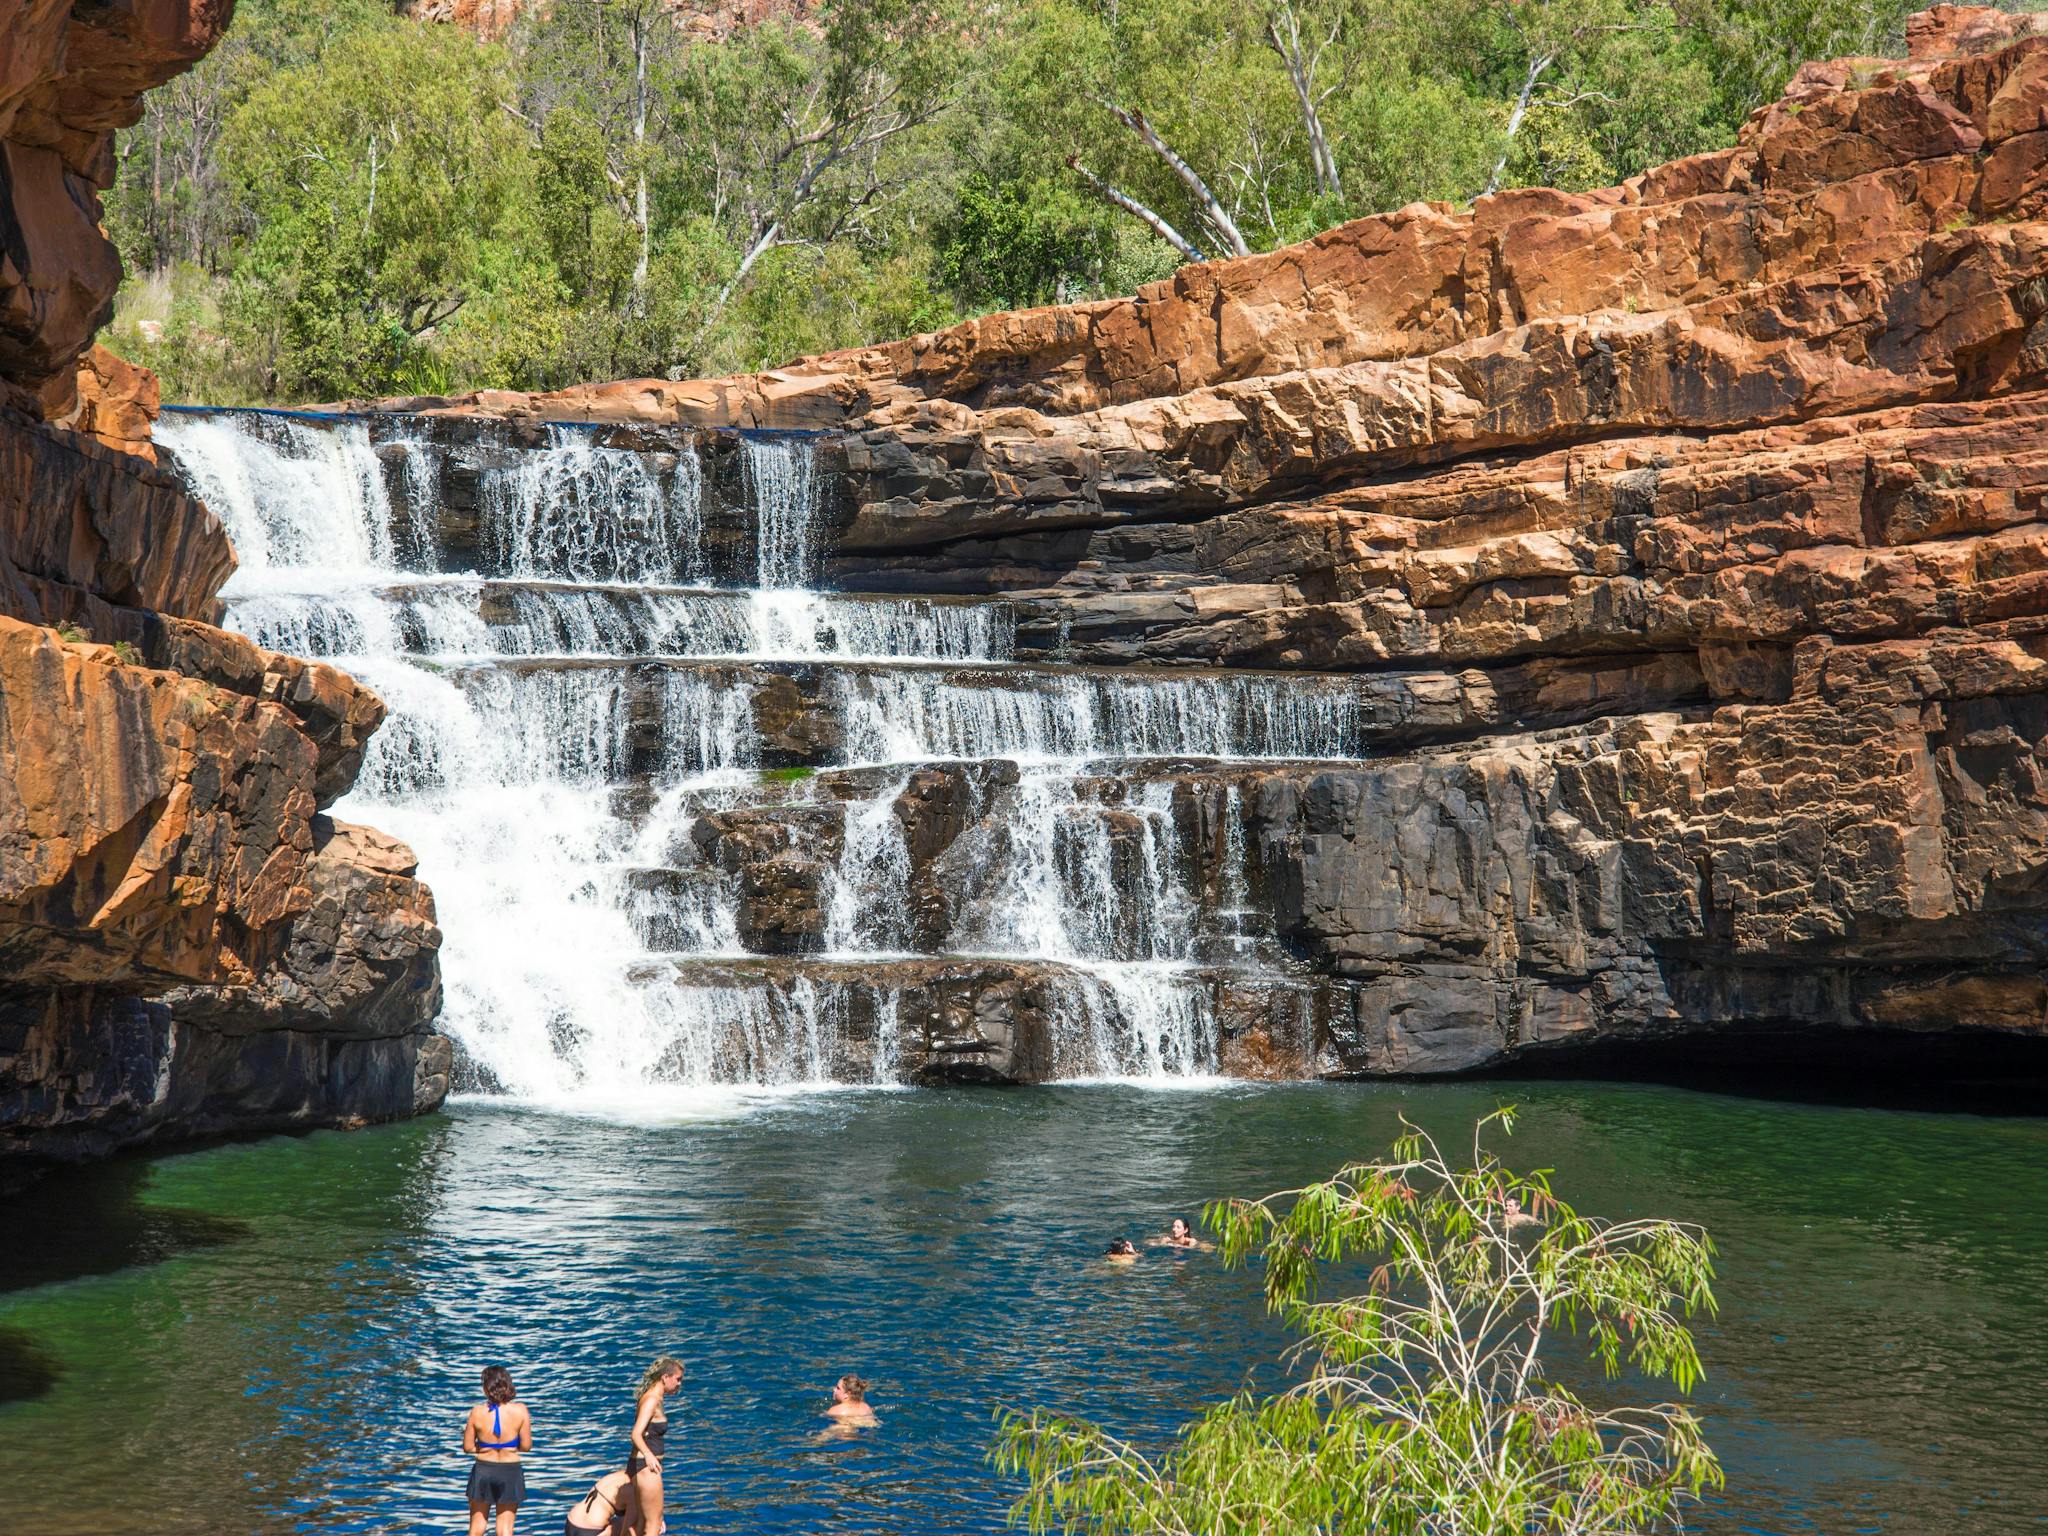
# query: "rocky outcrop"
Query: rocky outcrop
{"points": [[108, 399], [1698, 521], [70, 75], [188, 944]]}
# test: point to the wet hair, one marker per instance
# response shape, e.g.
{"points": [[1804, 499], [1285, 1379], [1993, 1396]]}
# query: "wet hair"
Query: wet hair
{"points": [[498, 1386], [662, 1367], [1119, 1245], [855, 1387], [1180, 1221]]}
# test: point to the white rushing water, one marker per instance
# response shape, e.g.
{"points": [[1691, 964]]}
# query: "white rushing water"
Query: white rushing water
{"points": [[561, 728]]}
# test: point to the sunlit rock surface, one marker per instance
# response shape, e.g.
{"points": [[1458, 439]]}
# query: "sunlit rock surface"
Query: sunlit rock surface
{"points": [[187, 944], [1689, 531]]}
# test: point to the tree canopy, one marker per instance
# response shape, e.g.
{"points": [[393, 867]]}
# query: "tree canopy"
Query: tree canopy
{"points": [[342, 201]]}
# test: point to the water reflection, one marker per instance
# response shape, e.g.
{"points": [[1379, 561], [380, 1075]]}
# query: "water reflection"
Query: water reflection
{"points": [[89, 1221], [310, 1369]]}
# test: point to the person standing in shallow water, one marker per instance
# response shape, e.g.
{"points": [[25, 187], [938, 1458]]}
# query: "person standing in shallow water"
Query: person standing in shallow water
{"points": [[496, 1432], [650, 1441]]}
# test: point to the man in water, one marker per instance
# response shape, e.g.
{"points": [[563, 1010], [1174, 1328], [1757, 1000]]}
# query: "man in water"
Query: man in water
{"points": [[1180, 1236], [1120, 1251], [1512, 1215]]}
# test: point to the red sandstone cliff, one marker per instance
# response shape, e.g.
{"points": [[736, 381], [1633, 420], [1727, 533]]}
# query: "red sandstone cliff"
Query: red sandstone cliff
{"points": [[189, 944], [1692, 528]]}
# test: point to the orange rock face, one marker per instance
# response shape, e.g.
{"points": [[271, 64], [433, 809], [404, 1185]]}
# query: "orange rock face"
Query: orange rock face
{"points": [[108, 399], [190, 945], [1736, 469], [69, 77]]}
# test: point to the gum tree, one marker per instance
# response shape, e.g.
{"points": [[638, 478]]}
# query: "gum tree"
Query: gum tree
{"points": [[1427, 1403]]}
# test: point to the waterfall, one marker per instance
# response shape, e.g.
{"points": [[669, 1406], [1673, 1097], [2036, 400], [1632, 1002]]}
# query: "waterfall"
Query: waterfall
{"points": [[871, 882], [1042, 716], [781, 482], [594, 513], [575, 725], [301, 499], [1233, 887]]}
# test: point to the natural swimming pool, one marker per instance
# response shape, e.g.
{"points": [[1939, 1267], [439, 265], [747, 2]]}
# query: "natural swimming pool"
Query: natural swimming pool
{"points": [[284, 1334]]}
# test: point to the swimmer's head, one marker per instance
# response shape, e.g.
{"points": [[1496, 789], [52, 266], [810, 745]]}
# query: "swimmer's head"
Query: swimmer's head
{"points": [[850, 1389], [1120, 1248], [1512, 1206], [1180, 1229], [498, 1385]]}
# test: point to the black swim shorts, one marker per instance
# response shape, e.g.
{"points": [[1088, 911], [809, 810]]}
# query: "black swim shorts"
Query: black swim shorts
{"points": [[499, 1483]]}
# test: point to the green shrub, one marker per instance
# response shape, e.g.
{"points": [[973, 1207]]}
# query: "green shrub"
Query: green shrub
{"points": [[1427, 1402]]}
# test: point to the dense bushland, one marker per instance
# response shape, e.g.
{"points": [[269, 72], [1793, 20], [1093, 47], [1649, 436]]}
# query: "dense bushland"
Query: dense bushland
{"points": [[343, 202]]}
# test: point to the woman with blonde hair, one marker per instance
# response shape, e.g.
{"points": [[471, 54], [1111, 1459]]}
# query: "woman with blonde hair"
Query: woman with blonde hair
{"points": [[650, 1440]]}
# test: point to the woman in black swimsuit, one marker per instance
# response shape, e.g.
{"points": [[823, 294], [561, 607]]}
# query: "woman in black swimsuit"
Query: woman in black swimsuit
{"points": [[609, 1502], [650, 1440], [495, 1433]]}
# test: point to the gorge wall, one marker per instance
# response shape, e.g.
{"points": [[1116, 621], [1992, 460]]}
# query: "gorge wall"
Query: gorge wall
{"points": [[1682, 544], [188, 944]]}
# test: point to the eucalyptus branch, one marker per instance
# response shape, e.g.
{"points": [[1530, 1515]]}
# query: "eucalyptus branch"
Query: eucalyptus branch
{"points": [[1421, 1405]]}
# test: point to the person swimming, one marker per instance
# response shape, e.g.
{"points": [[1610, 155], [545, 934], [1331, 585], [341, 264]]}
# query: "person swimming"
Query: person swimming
{"points": [[850, 1402], [1121, 1250], [849, 1412], [610, 1500], [1512, 1215], [495, 1433], [1180, 1236], [650, 1442]]}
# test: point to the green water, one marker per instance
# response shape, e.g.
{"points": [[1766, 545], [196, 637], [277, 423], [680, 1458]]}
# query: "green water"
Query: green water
{"points": [[283, 1335]]}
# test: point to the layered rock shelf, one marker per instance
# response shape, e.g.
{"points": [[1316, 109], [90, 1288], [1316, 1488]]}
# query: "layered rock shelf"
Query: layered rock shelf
{"points": [[1470, 638], [189, 944], [1695, 523]]}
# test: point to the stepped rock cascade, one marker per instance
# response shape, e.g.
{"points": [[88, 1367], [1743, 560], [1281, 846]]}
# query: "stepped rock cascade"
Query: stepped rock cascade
{"points": [[686, 834], [1581, 624], [1660, 571]]}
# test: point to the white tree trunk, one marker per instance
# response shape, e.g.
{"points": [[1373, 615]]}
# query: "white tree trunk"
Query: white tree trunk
{"points": [[1301, 71], [1214, 211], [1136, 209], [640, 157], [1537, 66]]}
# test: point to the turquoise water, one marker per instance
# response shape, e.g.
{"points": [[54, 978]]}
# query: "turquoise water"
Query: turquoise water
{"points": [[284, 1335]]}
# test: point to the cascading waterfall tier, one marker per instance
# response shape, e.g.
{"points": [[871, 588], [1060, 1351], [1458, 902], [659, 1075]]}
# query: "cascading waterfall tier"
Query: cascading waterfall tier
{"points": [[690, 820]]}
